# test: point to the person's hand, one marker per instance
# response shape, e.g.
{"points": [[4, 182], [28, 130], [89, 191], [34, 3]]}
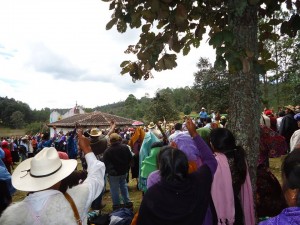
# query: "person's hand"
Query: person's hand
{"points": [[112, 123], [83, 142], [191, 127]]}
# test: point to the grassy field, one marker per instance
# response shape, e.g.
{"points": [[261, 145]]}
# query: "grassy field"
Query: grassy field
{"points": [[6, 132], [136, 195]]}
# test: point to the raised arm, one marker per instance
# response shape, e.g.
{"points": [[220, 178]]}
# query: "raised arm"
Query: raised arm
{"points": [[205, 152]]}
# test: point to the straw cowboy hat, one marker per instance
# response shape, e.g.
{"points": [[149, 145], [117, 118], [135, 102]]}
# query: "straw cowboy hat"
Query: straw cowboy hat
{"points": [[95, 132], [42, 171], [151, 125], [290, 107]]}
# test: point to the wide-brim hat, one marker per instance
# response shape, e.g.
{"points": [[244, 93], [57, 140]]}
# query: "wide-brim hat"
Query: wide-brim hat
{"points": [[114, 137], [42, 171], [151, 125], [25, 137], [290, 107], [95, 132]]}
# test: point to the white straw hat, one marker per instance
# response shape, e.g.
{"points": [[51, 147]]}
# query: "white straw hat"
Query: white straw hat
{"points": [[42, 171]]}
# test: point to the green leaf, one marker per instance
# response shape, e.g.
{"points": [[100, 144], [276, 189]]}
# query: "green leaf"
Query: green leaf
{"points": [[162, 23], [258, 68], [170, 61], [155, 5], [148, 15], [186, 49], [228, 36], [269, 65], [125, 70], [200, 30], [220, 50], [112, 5], [230, 56], [143, 55], [110, 24], [275, 22], [163, 14], [216, 40], [124, 63], [146, 28], [220, 63], [176, 46], [121, 26], [136, 19], [196, 42], [181, 15]]}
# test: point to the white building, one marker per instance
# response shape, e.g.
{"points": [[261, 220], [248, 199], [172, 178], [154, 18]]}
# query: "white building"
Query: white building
{"points": [[56, 116]]}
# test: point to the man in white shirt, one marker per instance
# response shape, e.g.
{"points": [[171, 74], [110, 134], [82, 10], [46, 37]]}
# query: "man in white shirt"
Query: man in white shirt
{"points": [[178, 130], [42, 176]]}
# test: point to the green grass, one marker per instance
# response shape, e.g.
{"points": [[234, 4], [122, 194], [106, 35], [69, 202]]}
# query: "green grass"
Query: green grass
{"points": [[136, 195], [6, 132]]}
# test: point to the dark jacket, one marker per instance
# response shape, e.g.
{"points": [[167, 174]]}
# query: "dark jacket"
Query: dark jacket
{"points": [[288, 126], [117, 159]]}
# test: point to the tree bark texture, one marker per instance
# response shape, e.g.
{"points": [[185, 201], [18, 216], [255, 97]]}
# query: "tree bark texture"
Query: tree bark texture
{"points": [[244, 110]]}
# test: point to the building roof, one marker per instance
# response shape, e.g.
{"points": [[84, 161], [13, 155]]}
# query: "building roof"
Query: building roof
{"points": [[93, 119]]}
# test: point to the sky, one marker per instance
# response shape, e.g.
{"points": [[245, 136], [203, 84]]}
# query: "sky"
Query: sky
{"points": [[54, 53]]}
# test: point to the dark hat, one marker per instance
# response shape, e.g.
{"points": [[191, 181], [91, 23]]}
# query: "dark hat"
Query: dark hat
{"points": [[114, 137]]}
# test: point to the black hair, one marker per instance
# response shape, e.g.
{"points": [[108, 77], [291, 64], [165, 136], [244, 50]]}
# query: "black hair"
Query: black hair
{"points": [[178, 126], [46, 136], [208, 120], [173, 164], [86, 133], [291, 171], [281, 113], [223, 141], [72, 180]]}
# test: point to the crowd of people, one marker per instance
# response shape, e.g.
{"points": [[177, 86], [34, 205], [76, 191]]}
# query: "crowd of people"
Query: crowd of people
{"points": [[189, 172]]}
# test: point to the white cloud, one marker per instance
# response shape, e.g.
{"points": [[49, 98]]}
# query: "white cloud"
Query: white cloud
{"points": [[54, 53]]}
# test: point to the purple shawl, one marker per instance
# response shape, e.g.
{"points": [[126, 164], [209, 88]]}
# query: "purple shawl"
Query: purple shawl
{"points": [[289, 215]]}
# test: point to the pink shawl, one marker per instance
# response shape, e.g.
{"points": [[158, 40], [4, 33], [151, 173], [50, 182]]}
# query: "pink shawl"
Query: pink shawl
{"points": [[247, 201], [222, 194], [222, 191]]}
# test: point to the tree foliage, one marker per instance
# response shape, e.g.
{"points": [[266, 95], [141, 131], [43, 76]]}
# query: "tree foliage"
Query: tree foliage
{"points": [[161, 108], [281, 53], [17, 119], [212, 86], [10, 106], [169, 27]]}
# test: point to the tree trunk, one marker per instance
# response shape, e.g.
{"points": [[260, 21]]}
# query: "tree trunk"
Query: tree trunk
{"points": [[244, 110]]}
